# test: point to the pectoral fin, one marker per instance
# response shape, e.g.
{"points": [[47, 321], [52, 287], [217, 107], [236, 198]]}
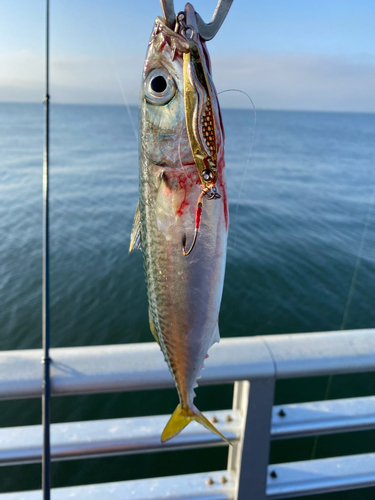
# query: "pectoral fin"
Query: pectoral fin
{"points": [[165, 214], [135, 238]]}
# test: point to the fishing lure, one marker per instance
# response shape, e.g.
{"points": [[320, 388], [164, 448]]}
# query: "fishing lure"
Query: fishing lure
{"points": [[182, 192]]}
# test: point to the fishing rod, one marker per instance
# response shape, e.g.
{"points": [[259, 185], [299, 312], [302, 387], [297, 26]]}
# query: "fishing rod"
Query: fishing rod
{"points": [[46, 455]]}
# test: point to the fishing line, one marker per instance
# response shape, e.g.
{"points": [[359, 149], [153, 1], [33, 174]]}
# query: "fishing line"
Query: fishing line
{"points": [[119, 82], [349, 300], [249, 155], [255, 116], [358, 262]]}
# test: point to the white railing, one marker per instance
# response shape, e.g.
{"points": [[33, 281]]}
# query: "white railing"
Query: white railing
{"points": [[253, 364]]}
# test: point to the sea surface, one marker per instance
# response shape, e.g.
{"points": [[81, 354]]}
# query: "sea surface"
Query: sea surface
{"points": [[300, 259]]}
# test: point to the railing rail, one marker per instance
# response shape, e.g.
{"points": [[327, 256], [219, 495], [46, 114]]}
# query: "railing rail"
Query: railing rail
{"points": [[129, 367], [121, 436], [252, 364]]}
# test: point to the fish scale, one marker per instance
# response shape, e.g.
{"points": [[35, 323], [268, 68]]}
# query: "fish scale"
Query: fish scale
{"points": [[154, 260]]}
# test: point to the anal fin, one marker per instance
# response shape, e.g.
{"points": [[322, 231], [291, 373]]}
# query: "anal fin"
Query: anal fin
{"points": [[215, 336], [152, 328]]}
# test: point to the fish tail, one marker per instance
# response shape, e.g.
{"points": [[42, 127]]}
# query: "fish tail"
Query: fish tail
{"points": [[181, 417]]}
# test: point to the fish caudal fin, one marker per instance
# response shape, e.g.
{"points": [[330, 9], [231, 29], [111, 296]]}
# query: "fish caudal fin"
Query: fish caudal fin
{"points": [[182, 417]]}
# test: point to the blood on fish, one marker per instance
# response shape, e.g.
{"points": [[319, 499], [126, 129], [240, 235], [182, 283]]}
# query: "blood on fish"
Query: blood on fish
{"points": [[162, 45], [184, 203], [183, 180]]}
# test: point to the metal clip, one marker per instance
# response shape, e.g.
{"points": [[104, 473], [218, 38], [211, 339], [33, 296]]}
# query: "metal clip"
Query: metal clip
{"points": [[206, 30], [182, 28], [211, 193]]}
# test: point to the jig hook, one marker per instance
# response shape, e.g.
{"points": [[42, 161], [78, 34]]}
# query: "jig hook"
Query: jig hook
{"points": [[210, 194], [198, 217]]}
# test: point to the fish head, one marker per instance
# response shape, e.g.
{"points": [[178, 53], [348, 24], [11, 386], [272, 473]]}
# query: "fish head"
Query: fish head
{"points": [[180, 114], [164, 139]]}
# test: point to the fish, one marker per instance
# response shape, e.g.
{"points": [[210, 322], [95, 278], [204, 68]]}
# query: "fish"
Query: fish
{"points": [[182, 199]]}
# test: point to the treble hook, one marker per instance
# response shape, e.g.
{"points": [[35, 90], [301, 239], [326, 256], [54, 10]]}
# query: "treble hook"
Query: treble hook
{"points": [[206, 30]]}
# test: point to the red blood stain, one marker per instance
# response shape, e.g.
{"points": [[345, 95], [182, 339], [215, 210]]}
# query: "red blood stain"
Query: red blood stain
{"points": [[163, 44], [185, 203], [185, 179]]}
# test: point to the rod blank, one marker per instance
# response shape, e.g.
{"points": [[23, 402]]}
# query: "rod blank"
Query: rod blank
{"points": [[46, 457]]}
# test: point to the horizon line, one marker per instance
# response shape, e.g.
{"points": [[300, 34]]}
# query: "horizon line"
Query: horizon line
{"points": [[255, 110]]}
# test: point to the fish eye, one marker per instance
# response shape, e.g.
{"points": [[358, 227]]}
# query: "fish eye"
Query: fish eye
{"points": [[160, 87], [158, 84]]}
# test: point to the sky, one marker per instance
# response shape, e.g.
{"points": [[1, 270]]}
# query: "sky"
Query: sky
{"points": [[293, 54]]}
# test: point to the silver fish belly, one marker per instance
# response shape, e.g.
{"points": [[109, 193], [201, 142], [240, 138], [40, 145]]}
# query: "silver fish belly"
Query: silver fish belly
{"points": [[184, 292]]}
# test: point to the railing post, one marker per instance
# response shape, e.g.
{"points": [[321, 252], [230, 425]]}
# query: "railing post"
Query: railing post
{"points": [[249, 457]]}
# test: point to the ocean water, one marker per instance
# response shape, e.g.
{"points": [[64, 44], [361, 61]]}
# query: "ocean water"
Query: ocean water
{"points": [[301, 219]]}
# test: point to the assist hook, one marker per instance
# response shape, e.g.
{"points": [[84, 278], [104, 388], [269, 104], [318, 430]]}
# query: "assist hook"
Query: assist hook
{"points": [[206, 30], [210, 194]]}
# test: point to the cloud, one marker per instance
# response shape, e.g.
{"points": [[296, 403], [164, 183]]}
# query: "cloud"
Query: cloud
{"points": [[301, 81], [79, 80], [95, 80], [273, 80]]}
